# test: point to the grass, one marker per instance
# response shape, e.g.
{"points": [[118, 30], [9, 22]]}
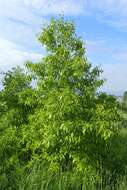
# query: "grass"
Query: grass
{"points": [[41, 179]]}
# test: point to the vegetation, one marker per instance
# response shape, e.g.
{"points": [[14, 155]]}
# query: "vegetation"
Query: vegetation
{"points": [[61, 133]]}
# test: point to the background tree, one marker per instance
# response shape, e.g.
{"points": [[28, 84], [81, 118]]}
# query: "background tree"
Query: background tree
{"points": [[13, 114], [124, 101]]}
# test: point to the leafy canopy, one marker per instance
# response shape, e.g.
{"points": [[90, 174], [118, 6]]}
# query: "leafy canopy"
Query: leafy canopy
{"points": [[73, 122], [63, 122]]}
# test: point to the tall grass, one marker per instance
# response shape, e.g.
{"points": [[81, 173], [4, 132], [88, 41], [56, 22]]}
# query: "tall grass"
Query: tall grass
{"points": [[40, 178]]}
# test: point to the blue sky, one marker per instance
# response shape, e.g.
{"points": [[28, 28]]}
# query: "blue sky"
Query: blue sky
{"points": [[101, 23]]}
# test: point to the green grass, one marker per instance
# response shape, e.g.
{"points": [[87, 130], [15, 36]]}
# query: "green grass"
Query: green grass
{"points": [[41, 179]]}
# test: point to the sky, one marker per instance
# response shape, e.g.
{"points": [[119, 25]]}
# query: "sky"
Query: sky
{"points": [[101, 23]]}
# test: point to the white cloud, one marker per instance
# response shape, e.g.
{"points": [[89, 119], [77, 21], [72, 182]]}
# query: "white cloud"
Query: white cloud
{"points": [[112, 12], [96, 46], [116, 75], [11, 55], [114, 49], [17, 11], [112, 58], [110, 7], [68, 7], [25, 10]]}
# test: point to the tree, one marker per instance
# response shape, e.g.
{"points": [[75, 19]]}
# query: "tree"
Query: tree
{"points": [[15, 85], [14, 114], [124, 102], [63, 122], [73, 123]]}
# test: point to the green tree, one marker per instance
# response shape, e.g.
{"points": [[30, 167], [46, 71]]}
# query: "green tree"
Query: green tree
{"points": [[73, 123], [123, 108], [15, 84], [64, 122], [13, 114], [124, 101]]}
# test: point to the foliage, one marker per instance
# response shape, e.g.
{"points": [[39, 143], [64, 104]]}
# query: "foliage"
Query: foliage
{"points": [[73, 122], [13, 114], [63, 123], [124, 103]]}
